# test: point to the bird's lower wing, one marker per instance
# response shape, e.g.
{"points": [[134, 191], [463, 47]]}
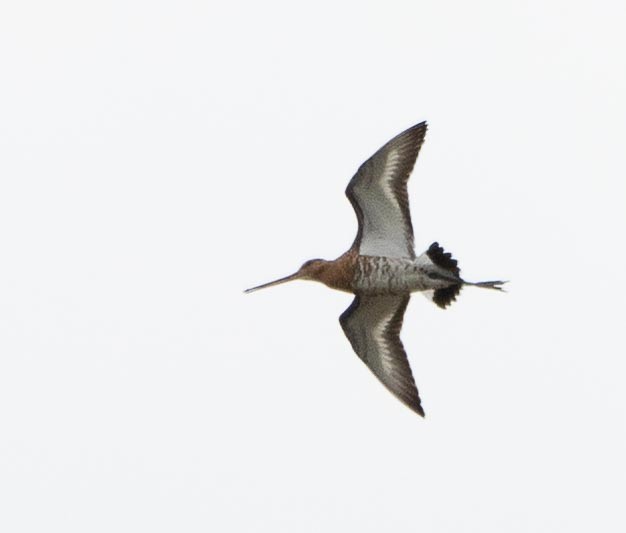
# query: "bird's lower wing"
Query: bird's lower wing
{"points": [[372, 325]]}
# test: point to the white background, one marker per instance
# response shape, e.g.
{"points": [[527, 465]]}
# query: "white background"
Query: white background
{"points": [[156, 158]]}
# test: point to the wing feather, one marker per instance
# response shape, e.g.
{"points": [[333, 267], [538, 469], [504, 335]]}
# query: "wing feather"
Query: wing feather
{"points": [[378, 194], [372, 325]]}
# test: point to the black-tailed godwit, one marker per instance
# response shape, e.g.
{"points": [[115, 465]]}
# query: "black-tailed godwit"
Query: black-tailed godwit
{"points": [[381, 268]]}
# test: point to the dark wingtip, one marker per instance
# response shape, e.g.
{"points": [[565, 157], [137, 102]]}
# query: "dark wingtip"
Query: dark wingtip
{"points": [[416, 407], [418, 132], [423, 125]]}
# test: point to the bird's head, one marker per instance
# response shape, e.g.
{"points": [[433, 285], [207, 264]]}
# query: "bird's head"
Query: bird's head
{"points": [[311, 270]]}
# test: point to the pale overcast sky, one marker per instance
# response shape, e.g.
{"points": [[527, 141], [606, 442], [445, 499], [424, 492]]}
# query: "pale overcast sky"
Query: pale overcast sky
{"points": [[157, 158]]}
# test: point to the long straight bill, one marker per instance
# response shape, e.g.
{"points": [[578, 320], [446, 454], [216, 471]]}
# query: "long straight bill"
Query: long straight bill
{"points": [[272, 283]]}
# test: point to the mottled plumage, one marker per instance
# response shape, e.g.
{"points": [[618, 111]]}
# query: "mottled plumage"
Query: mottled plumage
{"points": [[381, 268]]}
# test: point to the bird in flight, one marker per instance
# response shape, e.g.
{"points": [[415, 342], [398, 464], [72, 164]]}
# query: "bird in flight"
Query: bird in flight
{"points": [[381, 268]]}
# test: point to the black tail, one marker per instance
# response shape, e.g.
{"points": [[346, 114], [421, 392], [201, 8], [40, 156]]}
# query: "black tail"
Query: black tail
{"points": [[443, 259], [444, 297]]}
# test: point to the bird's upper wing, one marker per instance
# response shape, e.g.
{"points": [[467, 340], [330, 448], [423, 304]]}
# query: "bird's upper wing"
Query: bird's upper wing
{"points": [[372, 325], [379, 196]]}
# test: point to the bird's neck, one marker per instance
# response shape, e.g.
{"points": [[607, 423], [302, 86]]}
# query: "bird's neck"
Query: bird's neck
{"points": [[337, 274]]}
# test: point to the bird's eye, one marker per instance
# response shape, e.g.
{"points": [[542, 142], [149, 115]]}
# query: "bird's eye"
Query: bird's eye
{"points": [[432, 275]]}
